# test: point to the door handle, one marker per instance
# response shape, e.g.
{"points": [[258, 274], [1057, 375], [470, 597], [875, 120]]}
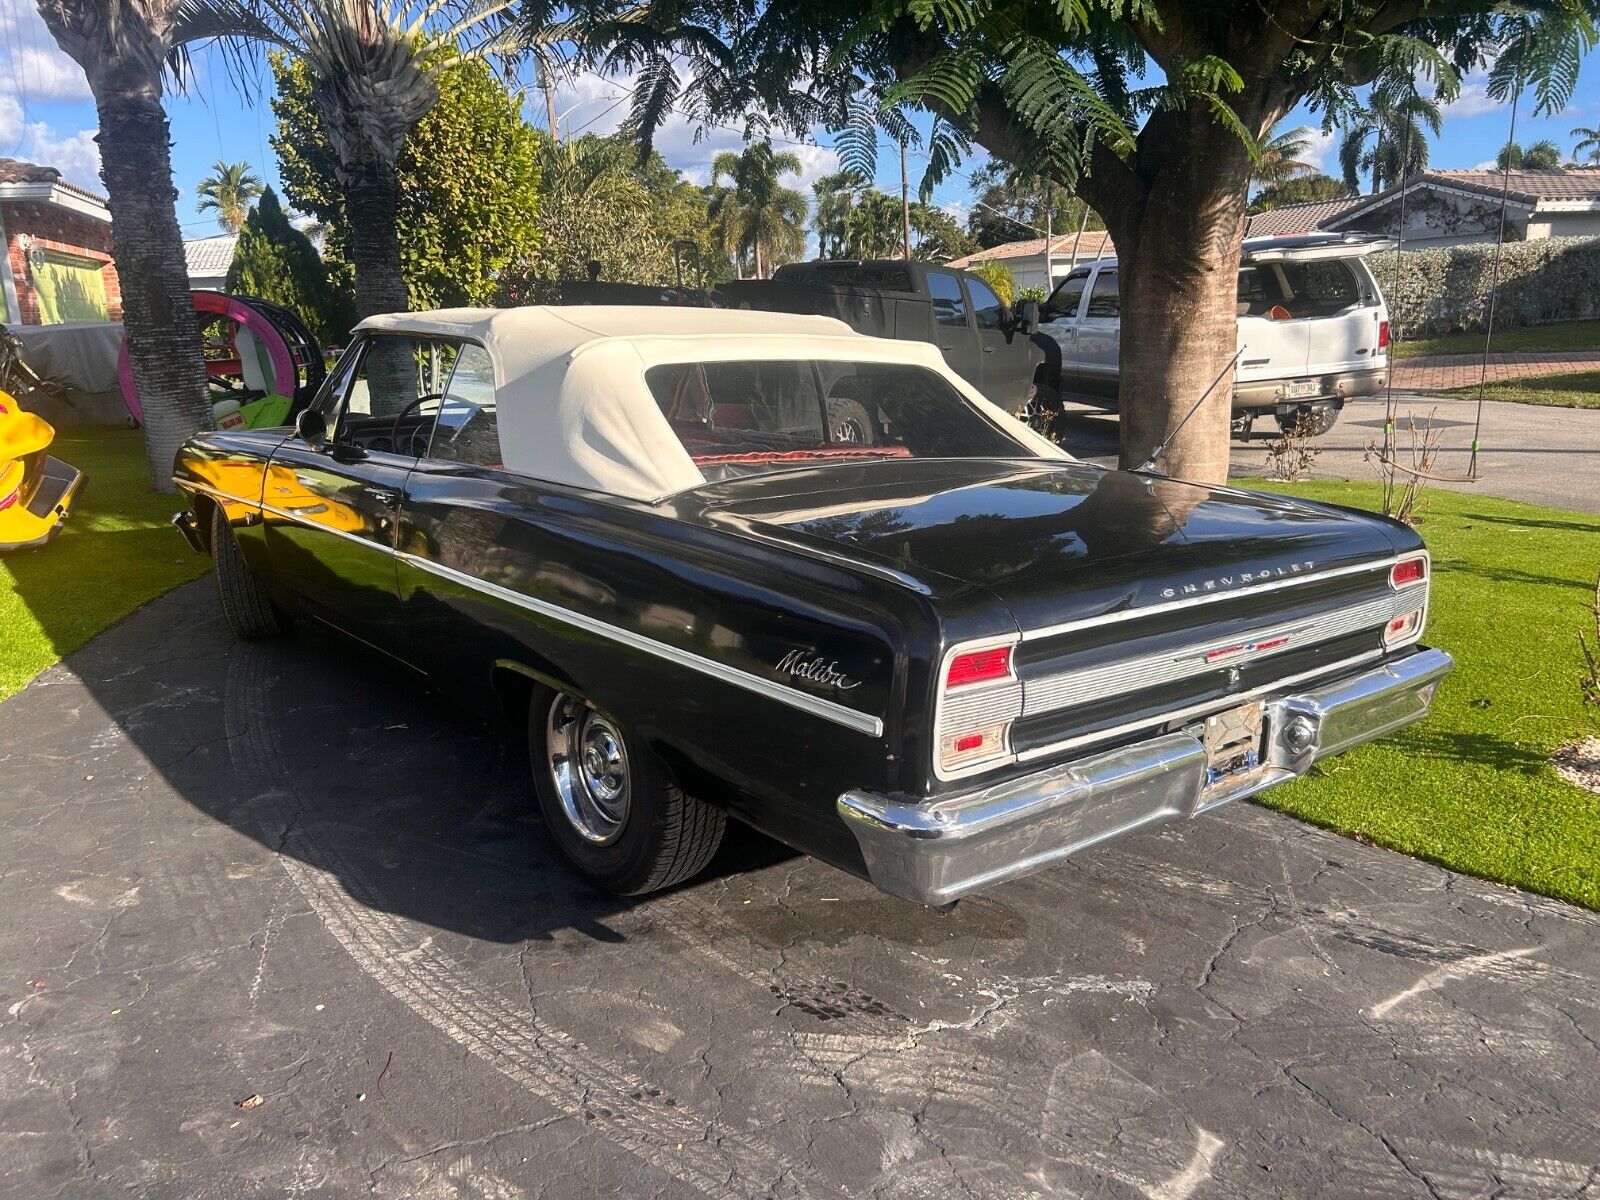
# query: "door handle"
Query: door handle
{"points": [[388, 497]]}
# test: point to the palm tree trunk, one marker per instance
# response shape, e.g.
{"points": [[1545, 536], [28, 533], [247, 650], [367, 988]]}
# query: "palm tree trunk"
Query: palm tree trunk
{"points": [[372, 202], [761, 272], [158, 314]]}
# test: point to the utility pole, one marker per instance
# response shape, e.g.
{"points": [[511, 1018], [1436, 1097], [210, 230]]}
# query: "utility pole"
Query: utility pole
{"points": [[1049, 238], [905, 203], [547, 84]]}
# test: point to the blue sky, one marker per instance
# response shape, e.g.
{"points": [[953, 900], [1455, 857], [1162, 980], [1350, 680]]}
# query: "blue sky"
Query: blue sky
{"points": [[47, 116]]}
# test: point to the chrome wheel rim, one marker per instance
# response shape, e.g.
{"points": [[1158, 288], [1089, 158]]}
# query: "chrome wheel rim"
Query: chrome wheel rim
{"points": [[588, 763]]}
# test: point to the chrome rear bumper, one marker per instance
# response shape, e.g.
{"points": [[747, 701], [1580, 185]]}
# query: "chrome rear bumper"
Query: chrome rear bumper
{"points": [[937, 852]]}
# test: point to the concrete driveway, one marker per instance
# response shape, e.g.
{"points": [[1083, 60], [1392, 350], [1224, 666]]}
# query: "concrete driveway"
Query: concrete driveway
{"points": [[1530, 452], [273, 871]]}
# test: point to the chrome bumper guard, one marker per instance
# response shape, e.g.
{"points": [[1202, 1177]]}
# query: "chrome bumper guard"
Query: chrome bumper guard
{"points": [[937, 852]]}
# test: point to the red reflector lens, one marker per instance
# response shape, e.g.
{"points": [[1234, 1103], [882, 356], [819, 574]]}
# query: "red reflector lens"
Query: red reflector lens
{"points": [[978, 666], [1383, 335], [1413, 570], [968, 741]]}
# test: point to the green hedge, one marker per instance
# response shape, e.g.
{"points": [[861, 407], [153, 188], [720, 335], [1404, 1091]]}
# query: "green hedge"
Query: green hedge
{"points": [[1447, 291]]}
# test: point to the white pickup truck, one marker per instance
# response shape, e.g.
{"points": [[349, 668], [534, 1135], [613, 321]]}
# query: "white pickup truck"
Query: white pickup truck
{"points": [[1313, 326]]}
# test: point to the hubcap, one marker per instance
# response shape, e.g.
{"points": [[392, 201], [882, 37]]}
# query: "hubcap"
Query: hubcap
{"points": [[588, 763]]}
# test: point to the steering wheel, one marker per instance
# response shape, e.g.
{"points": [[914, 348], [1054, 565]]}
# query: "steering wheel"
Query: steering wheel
{"points": [[411, 440]]}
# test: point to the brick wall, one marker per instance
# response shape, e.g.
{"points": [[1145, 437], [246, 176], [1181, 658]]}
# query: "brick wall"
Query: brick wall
{"points": [[55, 228]]}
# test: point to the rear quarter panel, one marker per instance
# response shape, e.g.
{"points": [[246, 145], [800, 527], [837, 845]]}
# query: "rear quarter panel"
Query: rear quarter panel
{"points": [[577, 580]]}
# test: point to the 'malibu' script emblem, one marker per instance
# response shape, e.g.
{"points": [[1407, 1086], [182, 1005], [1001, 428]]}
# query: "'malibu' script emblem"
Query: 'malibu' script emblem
{"points": [[807, 664]]}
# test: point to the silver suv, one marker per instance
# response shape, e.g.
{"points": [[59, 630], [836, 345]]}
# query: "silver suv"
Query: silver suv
{"points": [[1312, 323]]}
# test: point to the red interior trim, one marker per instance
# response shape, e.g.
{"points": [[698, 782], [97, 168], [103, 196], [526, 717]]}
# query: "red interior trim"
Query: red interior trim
{"points": [[771, 456]]}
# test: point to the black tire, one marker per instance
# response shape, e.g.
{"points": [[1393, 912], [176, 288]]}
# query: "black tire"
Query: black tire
{"points": [[849, 422], [244, 602], [664, 837], [1312, 423]]}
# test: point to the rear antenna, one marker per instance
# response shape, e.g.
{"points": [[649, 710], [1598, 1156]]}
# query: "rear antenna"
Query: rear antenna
{"points": [[1149, 464]]}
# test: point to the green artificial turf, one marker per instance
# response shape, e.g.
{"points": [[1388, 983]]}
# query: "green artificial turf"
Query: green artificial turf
{"points": [[1574, 389], [1568, 335], [115, 553], [1471, 787]]}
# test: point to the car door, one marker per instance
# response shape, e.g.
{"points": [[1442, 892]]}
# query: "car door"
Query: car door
{"points": [[952, 327], [1058, 321], [451, 525], [1099, 336], [332, 505], [1007, 355]]}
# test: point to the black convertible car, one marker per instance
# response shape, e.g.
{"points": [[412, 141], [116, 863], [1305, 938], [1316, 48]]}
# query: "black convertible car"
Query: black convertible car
{"points": [[747, 564]]}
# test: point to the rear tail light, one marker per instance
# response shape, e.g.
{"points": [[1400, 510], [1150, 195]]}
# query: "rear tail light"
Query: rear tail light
{"points": [[979, 696], [1403, 629], [1408, 571], [1383, 335], [972, 746], [979, 666]]}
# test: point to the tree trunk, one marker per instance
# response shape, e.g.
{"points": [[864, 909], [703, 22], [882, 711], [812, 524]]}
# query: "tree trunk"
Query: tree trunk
{"points": [[158, 314], [372, 212], [1178, 255]]}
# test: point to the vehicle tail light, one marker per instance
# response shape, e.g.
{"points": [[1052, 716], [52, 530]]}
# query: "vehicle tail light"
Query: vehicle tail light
{"points": [[1403, 629], [978, 666], [970, 746], [1383, 335], [1408, 571]]}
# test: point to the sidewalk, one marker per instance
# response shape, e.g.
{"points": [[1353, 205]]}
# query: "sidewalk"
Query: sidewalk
{"points": [[1439, 372]]}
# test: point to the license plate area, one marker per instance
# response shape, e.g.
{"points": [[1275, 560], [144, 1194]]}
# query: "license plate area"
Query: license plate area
{"points": [[1299, 389], [1232, 741]]}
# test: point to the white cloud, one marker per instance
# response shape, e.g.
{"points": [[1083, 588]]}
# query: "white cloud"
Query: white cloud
{"points": [[587, 103], [1474, 99], [1319, 146], [75, 155], [36, 69]]}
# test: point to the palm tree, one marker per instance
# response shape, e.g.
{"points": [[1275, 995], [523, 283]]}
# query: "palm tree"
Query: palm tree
{"points": [[1280, 157], [1396, 122], [1588, 145], [122, 46], [1543, 155], [229, 191], [375, 63], [759, 217], [836, 195]]}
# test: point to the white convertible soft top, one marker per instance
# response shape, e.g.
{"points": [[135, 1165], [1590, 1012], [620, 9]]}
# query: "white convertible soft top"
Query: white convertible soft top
{"points": [[573, 405]]}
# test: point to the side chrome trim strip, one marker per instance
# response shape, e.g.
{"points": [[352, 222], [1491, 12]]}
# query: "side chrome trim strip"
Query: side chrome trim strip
{"points": [[1216, 704], [1148, 610], [839, 714]]}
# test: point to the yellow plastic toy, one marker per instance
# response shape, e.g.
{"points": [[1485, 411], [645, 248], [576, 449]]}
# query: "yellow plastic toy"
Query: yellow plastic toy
{"points": [[36, 491]]}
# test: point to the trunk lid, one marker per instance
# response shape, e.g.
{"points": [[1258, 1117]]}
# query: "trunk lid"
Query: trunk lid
{"points": [[1056, 542]]}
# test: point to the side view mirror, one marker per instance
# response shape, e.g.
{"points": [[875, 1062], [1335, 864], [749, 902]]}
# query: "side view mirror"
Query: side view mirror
{"points": [[311, 427], [1028, 317]]}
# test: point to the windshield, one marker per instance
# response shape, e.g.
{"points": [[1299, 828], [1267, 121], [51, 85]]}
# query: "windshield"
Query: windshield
{"points": [[736, 418]]}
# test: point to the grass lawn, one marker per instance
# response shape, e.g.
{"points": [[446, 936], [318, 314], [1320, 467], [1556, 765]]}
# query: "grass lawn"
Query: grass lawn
{"points": [[1471, 787], [1568, 335], [115, 553], [1573, 389]]}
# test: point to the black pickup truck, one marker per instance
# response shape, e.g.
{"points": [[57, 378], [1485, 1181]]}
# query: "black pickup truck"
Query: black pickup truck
{"points": [[983, 340]]}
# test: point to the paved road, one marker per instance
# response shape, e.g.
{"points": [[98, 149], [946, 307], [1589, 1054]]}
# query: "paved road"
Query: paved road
{"points": [[1529, 452], [232, 871]]}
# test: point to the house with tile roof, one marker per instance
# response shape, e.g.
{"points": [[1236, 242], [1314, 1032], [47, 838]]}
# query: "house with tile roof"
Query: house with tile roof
{"points": [[1453, 208], [1027, 258], [57, 266], [1307, 217], [208, 260]]}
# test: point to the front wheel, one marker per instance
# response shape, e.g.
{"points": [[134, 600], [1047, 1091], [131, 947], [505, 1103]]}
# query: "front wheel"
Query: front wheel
{"points": [[610, 807], [244, 601]]}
